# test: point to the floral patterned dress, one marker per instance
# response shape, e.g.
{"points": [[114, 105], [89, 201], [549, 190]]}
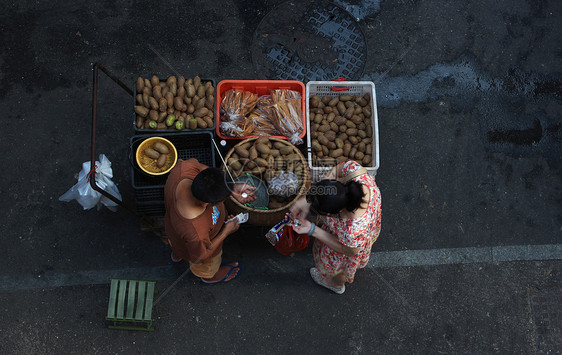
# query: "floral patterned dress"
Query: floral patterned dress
{"points": [[359, 232]]}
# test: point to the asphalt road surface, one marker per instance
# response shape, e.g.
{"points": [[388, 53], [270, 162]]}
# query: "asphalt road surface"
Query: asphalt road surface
{"points": [[469, 100]]}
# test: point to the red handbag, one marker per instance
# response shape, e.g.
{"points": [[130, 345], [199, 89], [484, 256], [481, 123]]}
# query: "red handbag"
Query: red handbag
{"points": [[291, 241]]}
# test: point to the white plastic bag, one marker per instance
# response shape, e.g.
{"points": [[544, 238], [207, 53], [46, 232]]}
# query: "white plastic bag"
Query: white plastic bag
{"points": [[285, 184], [85, 194]]}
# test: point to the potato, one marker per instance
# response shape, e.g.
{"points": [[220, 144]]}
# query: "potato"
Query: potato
{"points": [[349, 112], [336, 153], [161, 148], [340, 120], [330, 135], [361, 147], [359, 156], [173, 88], [140, 84], [201, 122], [154, 80], [141, 111], [162, 104], [153, 103], [262, 148], [201, 91], [181, 81], [161, 161], [341, 108], [139, 122], [209, 102], [323, 140], [209, 121], [242, 152], [200, 103], [178, 104], [196, 82], [153, 115], [190, 92], [151, 153], [260, 162], [339, 143], [253, 153], [170, 98], [236, 165], [353, 140], [145, 100], [201, 112], [286, 149], [181, 92], [367, 160]]}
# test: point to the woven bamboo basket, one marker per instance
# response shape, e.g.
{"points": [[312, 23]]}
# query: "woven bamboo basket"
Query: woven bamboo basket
{"points": [[269, 217]]}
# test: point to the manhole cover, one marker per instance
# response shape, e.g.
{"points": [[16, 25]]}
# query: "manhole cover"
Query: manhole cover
{"points": [[309, 40], [546, 309]]}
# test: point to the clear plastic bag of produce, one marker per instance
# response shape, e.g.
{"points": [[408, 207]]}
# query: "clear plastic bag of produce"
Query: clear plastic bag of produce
{"points": [[283, 108], [83, 192], [285, 184], [235, 105]]}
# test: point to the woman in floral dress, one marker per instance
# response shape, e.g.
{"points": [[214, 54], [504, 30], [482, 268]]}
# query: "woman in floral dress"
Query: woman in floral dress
{"points": [[349, 203]]}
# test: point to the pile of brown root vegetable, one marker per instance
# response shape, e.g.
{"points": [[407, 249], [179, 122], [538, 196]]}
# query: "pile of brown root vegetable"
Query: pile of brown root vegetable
{"points": [[341, 129], [177, 103]]}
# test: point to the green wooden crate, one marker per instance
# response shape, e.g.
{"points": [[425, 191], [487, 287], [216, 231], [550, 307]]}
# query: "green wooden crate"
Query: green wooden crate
{"points": [[130, 304]]}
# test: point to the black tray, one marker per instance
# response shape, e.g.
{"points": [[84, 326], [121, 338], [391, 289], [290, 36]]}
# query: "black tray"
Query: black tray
{"points": [[175, 131], [189, 144]]}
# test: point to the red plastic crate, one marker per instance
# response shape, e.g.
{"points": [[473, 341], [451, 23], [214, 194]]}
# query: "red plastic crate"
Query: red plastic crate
{"points": [[259, 87]]}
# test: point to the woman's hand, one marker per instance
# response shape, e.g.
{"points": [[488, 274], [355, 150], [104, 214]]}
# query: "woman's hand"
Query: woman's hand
{"points": [[299, 209], [303, 227], [230, 227], [244, 193]]}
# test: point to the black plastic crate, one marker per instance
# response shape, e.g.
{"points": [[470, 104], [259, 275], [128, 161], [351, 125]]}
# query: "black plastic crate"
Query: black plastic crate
{"points": [[196, 145], [152, 209], [162, 131]]}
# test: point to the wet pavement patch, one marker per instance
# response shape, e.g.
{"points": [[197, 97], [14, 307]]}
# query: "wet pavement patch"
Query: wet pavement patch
{"points": [[546, 313], [309, 40]]}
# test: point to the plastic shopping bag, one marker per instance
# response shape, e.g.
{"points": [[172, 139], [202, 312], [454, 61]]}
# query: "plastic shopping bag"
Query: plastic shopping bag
{"points": [[291, 241], [85, 194]]}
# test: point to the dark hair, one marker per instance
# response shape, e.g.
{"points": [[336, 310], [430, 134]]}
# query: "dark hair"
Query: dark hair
{"points": [[331, 196], [211, 185]]}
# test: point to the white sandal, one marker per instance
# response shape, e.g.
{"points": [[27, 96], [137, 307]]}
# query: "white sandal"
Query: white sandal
{"points": [[318, 279]]}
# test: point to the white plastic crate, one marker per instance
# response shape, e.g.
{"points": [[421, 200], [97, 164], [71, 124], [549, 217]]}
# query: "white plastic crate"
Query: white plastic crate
{"points": [[324, 88]]}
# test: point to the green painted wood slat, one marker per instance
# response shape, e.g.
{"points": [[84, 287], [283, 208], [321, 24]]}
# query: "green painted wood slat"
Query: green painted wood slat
{"points": [[121, 299], [112, 298], [140, 300], [131, 299], [149, 297]]}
